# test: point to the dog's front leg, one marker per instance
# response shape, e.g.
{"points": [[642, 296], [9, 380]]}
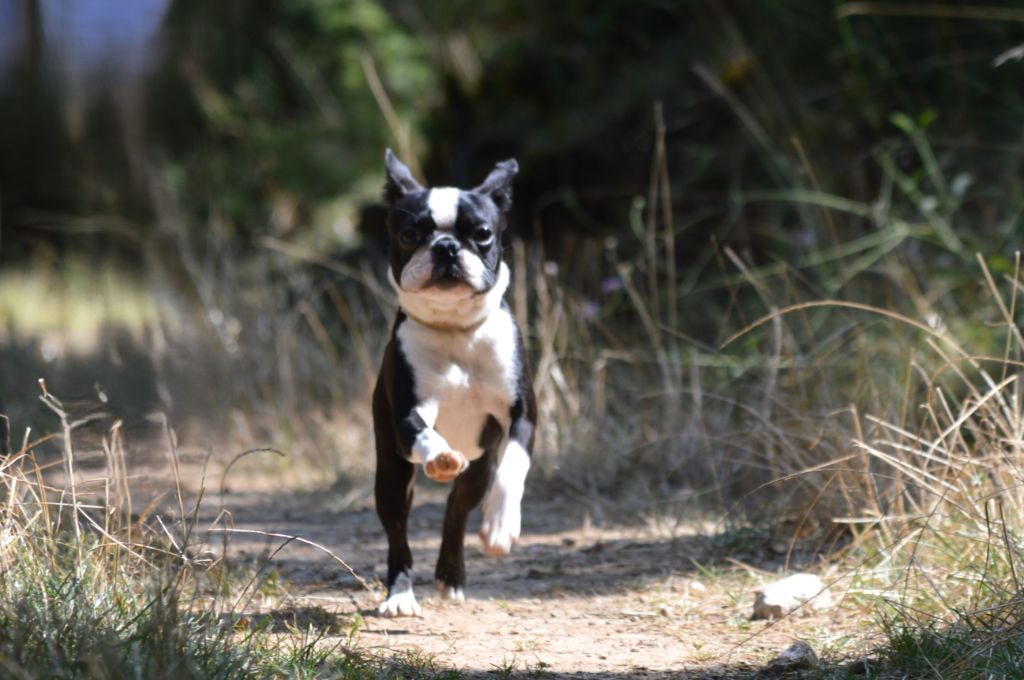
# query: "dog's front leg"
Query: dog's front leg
{"points": [[426, 446], [393, 491], [467, 492]]}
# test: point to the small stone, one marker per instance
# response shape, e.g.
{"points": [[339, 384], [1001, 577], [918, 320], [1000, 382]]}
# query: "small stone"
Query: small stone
{"points": [[780, 598], [797, 656], [697, 586]]}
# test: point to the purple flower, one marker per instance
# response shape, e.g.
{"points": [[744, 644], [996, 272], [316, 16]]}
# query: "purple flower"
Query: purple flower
{"points": [[807, 238], [611, 284]]}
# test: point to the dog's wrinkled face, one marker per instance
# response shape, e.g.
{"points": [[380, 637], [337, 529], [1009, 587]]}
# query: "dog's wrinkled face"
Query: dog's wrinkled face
{"points": [[446, 242]]}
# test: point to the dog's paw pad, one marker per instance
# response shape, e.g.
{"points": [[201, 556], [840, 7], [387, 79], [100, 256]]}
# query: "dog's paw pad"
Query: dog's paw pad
{"points": [[445, 466], [450, 593]]}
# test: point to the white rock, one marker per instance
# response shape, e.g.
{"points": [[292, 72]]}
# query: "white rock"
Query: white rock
{"points": [[798, 655], [777, 599]]}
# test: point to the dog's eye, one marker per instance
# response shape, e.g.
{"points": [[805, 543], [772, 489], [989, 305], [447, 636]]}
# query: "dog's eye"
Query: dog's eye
{"points": [[408, 237], [483, 235]]}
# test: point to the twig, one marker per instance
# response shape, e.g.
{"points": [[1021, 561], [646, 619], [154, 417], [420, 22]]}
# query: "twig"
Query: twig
{"points": [[400, 131], [243, 454], [930, 9], [289, 538]]}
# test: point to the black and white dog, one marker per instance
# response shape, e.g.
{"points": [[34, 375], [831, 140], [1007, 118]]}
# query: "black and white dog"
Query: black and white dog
{"points": [[454, 391]]}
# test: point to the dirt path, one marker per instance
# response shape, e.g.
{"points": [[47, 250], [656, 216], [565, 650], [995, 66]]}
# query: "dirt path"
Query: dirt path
{"points": [[572, 600]]}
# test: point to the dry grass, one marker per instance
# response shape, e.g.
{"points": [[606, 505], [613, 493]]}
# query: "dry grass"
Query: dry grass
{"points": [[91, 586]]}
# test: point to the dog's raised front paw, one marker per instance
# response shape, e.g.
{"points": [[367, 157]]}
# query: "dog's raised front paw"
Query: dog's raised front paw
{"points": [[445, 466], [400, 601]]}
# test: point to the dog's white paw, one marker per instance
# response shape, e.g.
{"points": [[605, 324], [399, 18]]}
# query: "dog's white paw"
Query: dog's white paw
{"points": [[400, 604], [450, 593], [440, 461], [502, 517], [401, 600], [500, 528]]}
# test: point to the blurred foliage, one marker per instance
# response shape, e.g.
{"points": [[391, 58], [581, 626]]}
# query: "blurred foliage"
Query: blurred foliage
{"points": [[686, 168], [262, 113], [287, 118]]}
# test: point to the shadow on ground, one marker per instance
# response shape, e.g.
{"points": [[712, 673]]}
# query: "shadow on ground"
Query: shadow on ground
{"points": [[561, 551]]}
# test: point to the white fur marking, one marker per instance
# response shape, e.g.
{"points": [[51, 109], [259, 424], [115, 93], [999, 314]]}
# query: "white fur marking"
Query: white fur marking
{"points": [[418, 270], [473, 267], [502, 515], [401, 600], [456, 376], [444, 206], [429, 444], [469, 374], [460, 306], [450, 593], [427, 410]]}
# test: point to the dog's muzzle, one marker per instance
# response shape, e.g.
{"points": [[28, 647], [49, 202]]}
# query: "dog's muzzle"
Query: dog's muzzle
{"points": [[447, 266]]}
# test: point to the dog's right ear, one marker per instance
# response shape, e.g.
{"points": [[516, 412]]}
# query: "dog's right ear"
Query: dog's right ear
{"points": [[498, 184], [400, 180]]}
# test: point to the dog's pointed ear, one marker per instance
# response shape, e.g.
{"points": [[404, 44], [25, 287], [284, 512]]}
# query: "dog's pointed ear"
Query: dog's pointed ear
{"points": [[400, 180], [498, 184]]}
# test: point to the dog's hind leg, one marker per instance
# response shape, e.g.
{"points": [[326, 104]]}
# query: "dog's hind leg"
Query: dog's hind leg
{"points": [[500, 528], [467, 492], [393, 493]]}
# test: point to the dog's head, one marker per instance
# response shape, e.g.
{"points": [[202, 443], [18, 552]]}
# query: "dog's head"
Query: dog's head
{"points": [[446, 242]]}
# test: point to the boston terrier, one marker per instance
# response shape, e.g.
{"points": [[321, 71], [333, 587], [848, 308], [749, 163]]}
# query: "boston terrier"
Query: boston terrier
{"points": [[454, 391]]}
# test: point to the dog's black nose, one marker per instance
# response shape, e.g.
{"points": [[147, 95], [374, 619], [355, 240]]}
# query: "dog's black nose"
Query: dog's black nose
{"points": [[446, 250]]}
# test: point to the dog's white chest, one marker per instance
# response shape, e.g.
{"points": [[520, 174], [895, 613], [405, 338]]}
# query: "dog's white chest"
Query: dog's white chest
{"points": [[466, 375]]}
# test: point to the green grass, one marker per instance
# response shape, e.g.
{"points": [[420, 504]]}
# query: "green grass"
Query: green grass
{"points": [[72, 617], [88, 590]]}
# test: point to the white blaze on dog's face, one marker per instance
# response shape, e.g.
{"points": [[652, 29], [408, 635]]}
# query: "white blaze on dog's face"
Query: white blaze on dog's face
{"points": [[446, 243]]}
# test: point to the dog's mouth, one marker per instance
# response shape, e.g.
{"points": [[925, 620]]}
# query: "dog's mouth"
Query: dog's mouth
{"points": [[447, 276], [444, 275]]}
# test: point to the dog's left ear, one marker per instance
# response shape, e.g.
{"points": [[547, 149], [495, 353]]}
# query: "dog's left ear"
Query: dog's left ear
{"points": [[498, 184]]}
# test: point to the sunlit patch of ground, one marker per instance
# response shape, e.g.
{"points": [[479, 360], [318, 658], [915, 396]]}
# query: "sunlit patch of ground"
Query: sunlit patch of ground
{"points": [[67, 308]]}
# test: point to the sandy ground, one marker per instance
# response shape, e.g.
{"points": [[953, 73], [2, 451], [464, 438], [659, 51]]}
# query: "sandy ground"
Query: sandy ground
{"points": [[575, 599], [594, 589]]}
